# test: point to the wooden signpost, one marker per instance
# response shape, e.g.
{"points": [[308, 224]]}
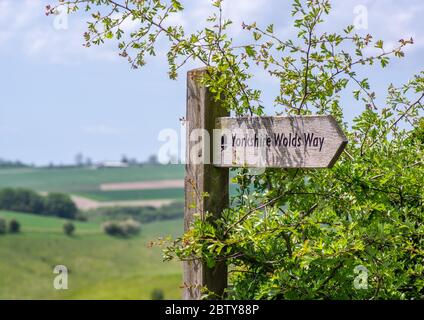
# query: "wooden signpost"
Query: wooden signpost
{"points": [[216, 142], [279, 142], [202, 178]]}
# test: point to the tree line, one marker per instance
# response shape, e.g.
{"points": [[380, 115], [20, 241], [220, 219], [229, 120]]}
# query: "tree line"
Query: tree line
{"points": [[24, 200]]}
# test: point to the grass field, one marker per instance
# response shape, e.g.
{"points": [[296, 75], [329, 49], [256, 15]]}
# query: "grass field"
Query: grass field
{"points": [[86, 182], [154, 194], [75, 179], [101, 267]]}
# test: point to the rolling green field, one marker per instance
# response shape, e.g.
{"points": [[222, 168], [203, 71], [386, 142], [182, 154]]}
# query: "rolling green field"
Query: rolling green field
{"points": [[86, 181], [174, 194], [74, 179], [100, 266]]}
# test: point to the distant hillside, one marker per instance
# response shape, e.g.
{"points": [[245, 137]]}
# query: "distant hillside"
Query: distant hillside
{"points": [[87, 182], [12, 164], [101, 267]]}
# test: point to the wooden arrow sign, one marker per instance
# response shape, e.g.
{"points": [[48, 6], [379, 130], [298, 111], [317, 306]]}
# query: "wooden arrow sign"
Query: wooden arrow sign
{"points": [[279, 142]]}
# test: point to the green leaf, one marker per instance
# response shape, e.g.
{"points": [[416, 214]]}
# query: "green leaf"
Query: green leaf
{"points": [[379, 44], [177, 5], [349, 29], [250, 51], [384, 61], [109, 35], [270, 28], [356, 94]]}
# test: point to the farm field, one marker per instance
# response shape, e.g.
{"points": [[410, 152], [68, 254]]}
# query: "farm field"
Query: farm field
{"points": [[100, 266], [74, 179], [87, 182], [122, 195]]}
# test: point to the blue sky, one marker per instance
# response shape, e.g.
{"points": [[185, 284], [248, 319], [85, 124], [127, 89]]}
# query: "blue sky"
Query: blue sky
{"points": [[58, 98]]}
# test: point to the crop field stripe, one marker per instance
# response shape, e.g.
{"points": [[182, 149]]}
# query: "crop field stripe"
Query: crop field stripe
{"points": [[154, 194]]}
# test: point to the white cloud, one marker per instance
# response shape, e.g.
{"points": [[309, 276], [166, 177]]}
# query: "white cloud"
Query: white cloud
{"points": [[63, 47], [128, 25], [25, 29], [389, 20], [23, 15], [177, 19], [242, 9]]}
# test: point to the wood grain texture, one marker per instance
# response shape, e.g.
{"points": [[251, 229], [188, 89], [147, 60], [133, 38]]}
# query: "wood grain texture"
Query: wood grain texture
{"points": [[279, 142], [201, 178]]}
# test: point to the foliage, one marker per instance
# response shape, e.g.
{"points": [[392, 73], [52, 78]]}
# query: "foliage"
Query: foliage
{"points": [[157, 294], [24, 200], [69, 228], [14, 226], [3, 226], [60, 205], [84, 182], [113, 228], [141, 214], [21, 200], [124, 228], [12, 164], [300, 233]]}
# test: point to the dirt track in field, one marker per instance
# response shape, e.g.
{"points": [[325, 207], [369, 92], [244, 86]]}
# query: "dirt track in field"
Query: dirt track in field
{"points": [[87, 204], [144, 185]]}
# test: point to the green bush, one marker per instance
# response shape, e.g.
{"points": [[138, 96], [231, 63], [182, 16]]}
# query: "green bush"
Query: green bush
{"points": [[69, 228], [157, 294], [14, 226], [113, 228], [60, 205], [3, 226], [131, 227], [81, 216], [125, 228], [141, 214], [21, 200]]}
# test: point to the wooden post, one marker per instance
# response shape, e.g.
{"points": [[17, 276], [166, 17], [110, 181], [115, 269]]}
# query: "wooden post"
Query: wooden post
{"points": [[202, 178]]}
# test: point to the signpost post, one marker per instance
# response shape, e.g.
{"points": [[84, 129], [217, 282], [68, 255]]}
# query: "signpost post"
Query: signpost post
{"points": [[202, 178], [257, 142]]}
